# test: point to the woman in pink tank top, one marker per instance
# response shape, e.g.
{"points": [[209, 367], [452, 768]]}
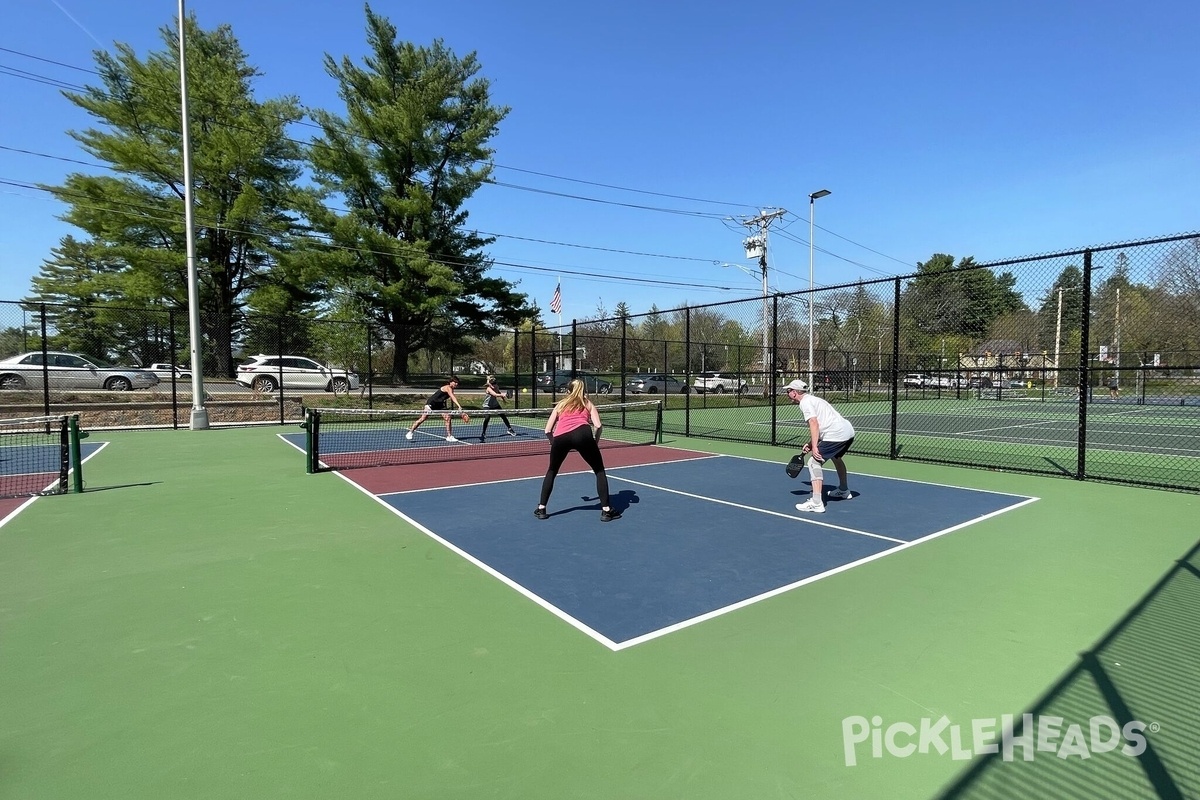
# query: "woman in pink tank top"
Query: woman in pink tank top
{"points": [[574, 424]]}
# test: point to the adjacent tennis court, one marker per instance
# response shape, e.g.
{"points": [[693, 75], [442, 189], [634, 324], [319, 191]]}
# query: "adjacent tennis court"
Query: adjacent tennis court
{"points": [[209, 619]]}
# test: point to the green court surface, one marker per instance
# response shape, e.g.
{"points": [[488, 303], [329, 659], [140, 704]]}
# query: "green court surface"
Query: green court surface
{"points": [[208, 621]]}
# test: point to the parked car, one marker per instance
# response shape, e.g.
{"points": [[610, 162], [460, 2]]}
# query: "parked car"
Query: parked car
{"points": [[915, 379], [264, 373], [655, 384], [71, 371], [165, 372], [718, 383], [557, 382], [827, 381]]}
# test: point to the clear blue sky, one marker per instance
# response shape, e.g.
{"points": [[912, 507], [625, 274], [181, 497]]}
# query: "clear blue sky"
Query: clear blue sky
{"points": [[643, 133]]}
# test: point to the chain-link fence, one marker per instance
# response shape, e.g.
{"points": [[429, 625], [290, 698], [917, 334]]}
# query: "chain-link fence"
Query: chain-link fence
{"points": [[1084, 364]]}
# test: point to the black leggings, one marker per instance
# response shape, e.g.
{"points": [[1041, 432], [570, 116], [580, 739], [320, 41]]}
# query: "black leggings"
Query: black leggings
{"points": [[582, 441], [488, 418]]}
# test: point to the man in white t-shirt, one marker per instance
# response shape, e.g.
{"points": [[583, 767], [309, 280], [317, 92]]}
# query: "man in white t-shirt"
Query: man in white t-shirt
{"points": [[830, 436]]}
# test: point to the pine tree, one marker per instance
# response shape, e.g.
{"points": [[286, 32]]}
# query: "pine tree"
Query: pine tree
{"points": [[244, 168], [409, 153]]}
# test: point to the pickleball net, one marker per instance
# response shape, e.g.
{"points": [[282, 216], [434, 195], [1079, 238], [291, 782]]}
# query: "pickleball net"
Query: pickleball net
{"points": [[341, 438], [37, 454]]}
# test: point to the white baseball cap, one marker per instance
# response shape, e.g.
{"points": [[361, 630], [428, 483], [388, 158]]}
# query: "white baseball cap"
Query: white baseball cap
{"points": [[797, 386]]}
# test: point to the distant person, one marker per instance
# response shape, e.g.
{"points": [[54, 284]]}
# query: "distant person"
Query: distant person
{"points": [[437, 402], [1114, 387], [491, 402], [830, 437], [574, 424]]}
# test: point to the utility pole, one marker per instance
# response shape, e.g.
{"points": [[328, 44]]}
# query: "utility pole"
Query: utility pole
{"points": [[756, 245]]}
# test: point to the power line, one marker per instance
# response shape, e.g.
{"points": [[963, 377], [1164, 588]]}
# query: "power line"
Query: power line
{"points": [[154, 215], [310, 145]]}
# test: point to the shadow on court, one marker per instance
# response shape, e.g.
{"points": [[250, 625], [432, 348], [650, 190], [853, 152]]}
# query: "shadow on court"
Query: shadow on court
{"points": [[618, 501], [92, 489], [1144, 675]]}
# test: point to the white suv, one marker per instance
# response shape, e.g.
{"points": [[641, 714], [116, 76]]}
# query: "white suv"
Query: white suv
{"points": [[264, 373], [717, 383]]}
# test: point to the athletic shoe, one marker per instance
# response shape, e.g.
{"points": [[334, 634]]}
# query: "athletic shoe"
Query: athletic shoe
{"points": [[408, 436], [482, 439], [841, 494], [511, 432], [796, 465], [609, 516], [540, 513], [451, 439], [811, 505]]}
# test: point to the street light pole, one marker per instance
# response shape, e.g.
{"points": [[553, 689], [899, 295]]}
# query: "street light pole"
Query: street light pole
{"points": [[812, 207], [199, 419]]}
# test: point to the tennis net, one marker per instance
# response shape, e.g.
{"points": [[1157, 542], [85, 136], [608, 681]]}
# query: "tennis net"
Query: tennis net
{"points": [[340, 438], [37, 454]]}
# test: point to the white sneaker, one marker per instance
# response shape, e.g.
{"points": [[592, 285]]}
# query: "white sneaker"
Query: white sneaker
{"points": [[451, 439], [511, 432], [408, 436], [841, 494], [811, 505]]}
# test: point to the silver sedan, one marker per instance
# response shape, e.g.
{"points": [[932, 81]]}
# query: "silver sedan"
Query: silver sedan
{"points": [[70, 371]]}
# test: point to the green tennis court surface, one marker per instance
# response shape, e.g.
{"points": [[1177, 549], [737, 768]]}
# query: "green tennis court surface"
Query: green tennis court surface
{"points": [[206, 620]]}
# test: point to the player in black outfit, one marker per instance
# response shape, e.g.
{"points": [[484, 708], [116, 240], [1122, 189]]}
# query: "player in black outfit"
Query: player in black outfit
{"points": [[437, 402], [491, 402]]}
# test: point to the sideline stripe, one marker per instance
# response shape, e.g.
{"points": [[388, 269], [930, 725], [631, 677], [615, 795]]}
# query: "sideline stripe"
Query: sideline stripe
{"points": [[762, 510], [500, 576], [811, 579]]}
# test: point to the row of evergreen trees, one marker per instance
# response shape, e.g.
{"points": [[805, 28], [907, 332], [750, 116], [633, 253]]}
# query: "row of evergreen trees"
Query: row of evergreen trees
{"points": [[363, 220]]}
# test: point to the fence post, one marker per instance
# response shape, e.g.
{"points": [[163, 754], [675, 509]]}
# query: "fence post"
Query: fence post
{"points": [[769, 379], [624, 365], [516, 368], [45, 365], [533, 387], [1085, 379], [687, 371], [893, 452], [370, 369], [174, 370]]}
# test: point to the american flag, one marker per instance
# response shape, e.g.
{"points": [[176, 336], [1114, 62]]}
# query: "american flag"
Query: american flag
{"points": [[556, 301]]}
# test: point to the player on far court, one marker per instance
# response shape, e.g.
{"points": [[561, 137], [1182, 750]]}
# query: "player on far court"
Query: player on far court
{"points": [[491, 402], [437, 402], [574, 424], [831, 435]]}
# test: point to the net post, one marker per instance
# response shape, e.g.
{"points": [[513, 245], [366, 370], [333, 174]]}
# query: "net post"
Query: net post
{"points": [[311, 440], [658, 423], [73, 454]]}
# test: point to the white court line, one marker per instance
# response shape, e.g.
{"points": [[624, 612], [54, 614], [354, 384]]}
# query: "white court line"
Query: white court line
{"points": [[761, 510], [618, 646], [687, 623], [892, 478], [27, 503], [500, 576], [17, 510]]}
